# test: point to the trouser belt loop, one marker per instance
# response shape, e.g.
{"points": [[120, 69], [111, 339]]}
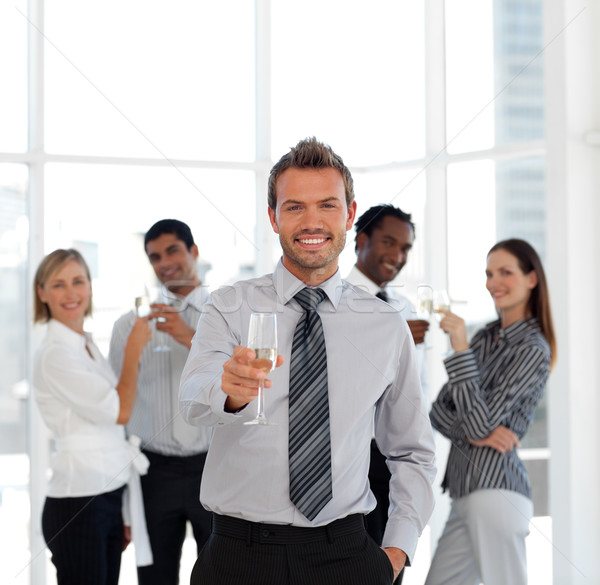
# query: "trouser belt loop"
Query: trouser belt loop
{"points": [[330, 538], [249, 535]]}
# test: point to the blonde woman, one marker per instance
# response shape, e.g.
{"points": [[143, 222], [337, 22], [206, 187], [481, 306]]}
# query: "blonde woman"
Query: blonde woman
{"points": [[85, 407]]}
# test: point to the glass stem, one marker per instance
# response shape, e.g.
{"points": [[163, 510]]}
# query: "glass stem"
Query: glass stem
{"points": [[260, 400]]}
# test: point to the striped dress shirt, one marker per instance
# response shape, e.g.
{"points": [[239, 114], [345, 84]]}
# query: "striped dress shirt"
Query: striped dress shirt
{"points": [[498, 381], [154, 409]]}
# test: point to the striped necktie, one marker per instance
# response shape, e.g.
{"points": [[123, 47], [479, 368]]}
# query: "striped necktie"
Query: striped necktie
{"points": [[309, 447]]}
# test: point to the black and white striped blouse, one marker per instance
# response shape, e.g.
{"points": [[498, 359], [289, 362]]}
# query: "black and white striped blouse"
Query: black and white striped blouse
{"points": [[498, 381]]}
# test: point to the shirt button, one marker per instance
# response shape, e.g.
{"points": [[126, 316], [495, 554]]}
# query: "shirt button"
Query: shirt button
{"points": [[265, 533]]}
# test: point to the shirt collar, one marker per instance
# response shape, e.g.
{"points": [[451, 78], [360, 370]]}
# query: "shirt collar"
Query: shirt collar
{"points": [[66, 335], [287, 285], [516, 331], [358, 279], [197, 297]]}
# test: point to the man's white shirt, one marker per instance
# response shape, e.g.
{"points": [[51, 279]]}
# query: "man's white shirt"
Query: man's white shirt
{"points": [[402, 304]]}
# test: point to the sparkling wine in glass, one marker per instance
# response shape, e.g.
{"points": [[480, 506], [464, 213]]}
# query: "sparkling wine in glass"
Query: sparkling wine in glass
{"points": [[441, 302], [142, 306], [262, 338], [425, 306], [424, 302]]}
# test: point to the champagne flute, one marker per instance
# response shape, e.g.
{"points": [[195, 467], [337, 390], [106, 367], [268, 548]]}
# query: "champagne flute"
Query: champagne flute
{"points": [[142, 306], [177, 302], [424, 302], [143, 309], [262, 338], [425, 306], [165, 296], [441, 302]]}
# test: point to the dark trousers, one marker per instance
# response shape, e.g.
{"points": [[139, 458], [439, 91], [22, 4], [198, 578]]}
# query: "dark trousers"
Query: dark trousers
{"points": [[379, 478], [85, 537], [171, 490], [268, 554]]}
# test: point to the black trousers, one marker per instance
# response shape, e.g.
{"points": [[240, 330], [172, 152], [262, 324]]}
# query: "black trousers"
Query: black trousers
{"points": [[171, 491], [250, 553], [85, 537], [379, 478]]}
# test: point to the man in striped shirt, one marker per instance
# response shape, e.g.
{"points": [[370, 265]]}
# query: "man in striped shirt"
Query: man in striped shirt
{"points": [[176, 450]]}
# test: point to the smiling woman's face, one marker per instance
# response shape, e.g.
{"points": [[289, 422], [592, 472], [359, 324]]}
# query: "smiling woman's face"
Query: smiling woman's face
{"points": [[68, 293], [509, 286]]}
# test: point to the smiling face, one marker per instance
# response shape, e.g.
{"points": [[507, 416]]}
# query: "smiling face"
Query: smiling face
{"points": [[68, 293], [509, 286], [311, 218], [383, 255], [173, 264]]}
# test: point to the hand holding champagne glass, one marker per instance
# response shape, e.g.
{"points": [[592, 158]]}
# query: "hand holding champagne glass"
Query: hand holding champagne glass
{"points": [[262, 338]]}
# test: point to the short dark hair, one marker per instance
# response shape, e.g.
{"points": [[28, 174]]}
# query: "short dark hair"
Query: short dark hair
{"points": [[374, 216], [170, 226], [310, 154]]}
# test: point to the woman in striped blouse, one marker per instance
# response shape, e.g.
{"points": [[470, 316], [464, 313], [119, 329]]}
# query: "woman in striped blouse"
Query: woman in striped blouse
{"points": [[485, 408]]}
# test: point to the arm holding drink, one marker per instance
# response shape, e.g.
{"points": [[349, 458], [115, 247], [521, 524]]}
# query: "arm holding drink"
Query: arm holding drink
{"points": [[240, 380], [169, 320]]}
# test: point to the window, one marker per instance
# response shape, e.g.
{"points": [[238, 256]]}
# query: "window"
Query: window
{"points": [[143, 79], [14, 390], [351, 74], [13, 64], [151, 112]]}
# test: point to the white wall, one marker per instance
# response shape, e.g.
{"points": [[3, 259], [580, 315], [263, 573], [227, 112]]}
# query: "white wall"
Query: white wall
{"points": [[573, 109]]}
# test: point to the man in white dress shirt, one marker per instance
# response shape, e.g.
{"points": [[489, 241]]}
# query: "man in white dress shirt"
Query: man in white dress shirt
{"points": [[384, 238], [176, 450], [263, 531]]}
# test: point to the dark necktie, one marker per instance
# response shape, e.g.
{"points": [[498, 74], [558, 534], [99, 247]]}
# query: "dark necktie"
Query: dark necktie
{"points": [[309, 447], [382, 295]]}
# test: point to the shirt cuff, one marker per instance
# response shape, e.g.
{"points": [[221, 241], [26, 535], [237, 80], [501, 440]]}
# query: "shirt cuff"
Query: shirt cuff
{"points": [[405, 538], [461, 366], [218, 408]]}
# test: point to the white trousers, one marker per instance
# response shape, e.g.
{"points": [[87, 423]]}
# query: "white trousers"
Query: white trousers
{"points": [[483, 541]]}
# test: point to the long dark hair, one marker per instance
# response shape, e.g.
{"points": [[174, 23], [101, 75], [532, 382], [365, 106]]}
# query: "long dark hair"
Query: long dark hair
{"points": [[539, 300]]}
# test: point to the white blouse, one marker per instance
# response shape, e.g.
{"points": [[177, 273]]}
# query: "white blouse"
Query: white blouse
{"points": [[78, 400], [75, 389]]}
